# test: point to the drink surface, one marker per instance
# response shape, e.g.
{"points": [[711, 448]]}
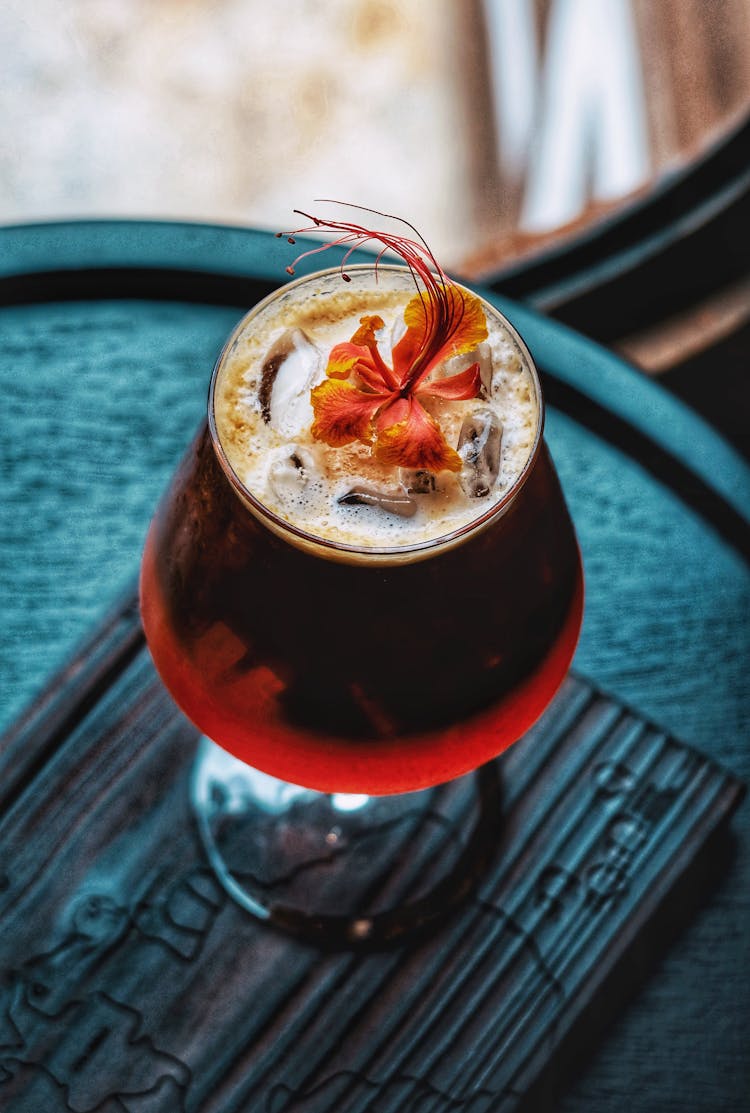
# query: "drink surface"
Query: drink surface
{"points": [[264, 418]]}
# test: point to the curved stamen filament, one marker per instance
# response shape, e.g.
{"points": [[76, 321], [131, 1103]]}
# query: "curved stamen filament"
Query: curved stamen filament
{"points": [[442, 315]]}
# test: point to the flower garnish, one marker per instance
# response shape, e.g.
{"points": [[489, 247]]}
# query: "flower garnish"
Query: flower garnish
{"points": [[362, 398]]}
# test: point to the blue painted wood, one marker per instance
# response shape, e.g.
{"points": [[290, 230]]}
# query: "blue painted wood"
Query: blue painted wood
{"points": [[102, 395], [71, 245], [620, 389]]}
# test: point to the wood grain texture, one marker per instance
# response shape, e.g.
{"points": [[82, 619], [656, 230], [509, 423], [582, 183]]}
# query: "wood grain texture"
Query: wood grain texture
{"points": [[141, 987]]}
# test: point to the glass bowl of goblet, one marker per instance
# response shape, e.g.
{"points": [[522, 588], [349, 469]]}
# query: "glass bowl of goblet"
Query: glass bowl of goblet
{"points": [[355, 697]]}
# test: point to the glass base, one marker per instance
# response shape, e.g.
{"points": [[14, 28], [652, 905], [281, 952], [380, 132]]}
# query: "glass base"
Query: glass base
{"points": [[340, 870]]}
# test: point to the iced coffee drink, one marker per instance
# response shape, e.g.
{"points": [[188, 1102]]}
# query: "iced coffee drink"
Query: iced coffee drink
{"points": [[352, 493], [364, 577]]}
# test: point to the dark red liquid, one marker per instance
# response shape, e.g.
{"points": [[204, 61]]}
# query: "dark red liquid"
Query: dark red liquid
{"points": [[365, 678]]}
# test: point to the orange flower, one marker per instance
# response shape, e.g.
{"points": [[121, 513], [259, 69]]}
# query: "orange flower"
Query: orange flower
{"points": [[363, 399]]}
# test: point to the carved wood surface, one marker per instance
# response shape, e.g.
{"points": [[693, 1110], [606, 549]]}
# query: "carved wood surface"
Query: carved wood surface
{"points": [[132, 982]]}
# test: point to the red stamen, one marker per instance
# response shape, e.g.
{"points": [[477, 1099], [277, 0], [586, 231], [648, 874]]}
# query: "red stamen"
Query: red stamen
{"points": [[439, 309]]}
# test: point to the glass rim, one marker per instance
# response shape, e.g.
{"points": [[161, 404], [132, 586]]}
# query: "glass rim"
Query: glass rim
{"points": [[343, 550]]}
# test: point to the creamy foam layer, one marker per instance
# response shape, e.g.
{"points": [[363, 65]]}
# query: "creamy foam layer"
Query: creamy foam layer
{"points": [[264, 415]]}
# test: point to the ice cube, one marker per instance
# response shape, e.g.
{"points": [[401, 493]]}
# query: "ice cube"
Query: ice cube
{"points": [[292, 367], [390, 340], [392, 501], [275, 356], [419, 482], [482, 355], [289, 474], [479, 444]]}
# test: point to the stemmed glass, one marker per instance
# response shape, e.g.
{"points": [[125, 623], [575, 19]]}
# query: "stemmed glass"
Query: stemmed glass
{"points": [[355, 697]]}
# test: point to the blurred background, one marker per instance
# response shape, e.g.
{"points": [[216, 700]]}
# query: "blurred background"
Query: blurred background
{"points": [[490, 123]]}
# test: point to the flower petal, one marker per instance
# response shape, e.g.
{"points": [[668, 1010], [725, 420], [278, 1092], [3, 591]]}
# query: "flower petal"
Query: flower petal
{"points": [[380, 371], [437, 328], [455, 388], [406, 351], [343, 359], [365, 334], [343, 413], [409, 437], [347, 358]]}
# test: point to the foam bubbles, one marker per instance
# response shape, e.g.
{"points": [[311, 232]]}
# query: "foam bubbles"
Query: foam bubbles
{"points": [[307, 493]]}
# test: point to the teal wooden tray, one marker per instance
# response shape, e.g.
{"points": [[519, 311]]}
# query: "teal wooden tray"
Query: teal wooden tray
{"points": [[107, 334]]}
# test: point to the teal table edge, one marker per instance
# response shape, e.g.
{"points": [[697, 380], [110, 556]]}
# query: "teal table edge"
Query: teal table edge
{"points": [[49, 256]]}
